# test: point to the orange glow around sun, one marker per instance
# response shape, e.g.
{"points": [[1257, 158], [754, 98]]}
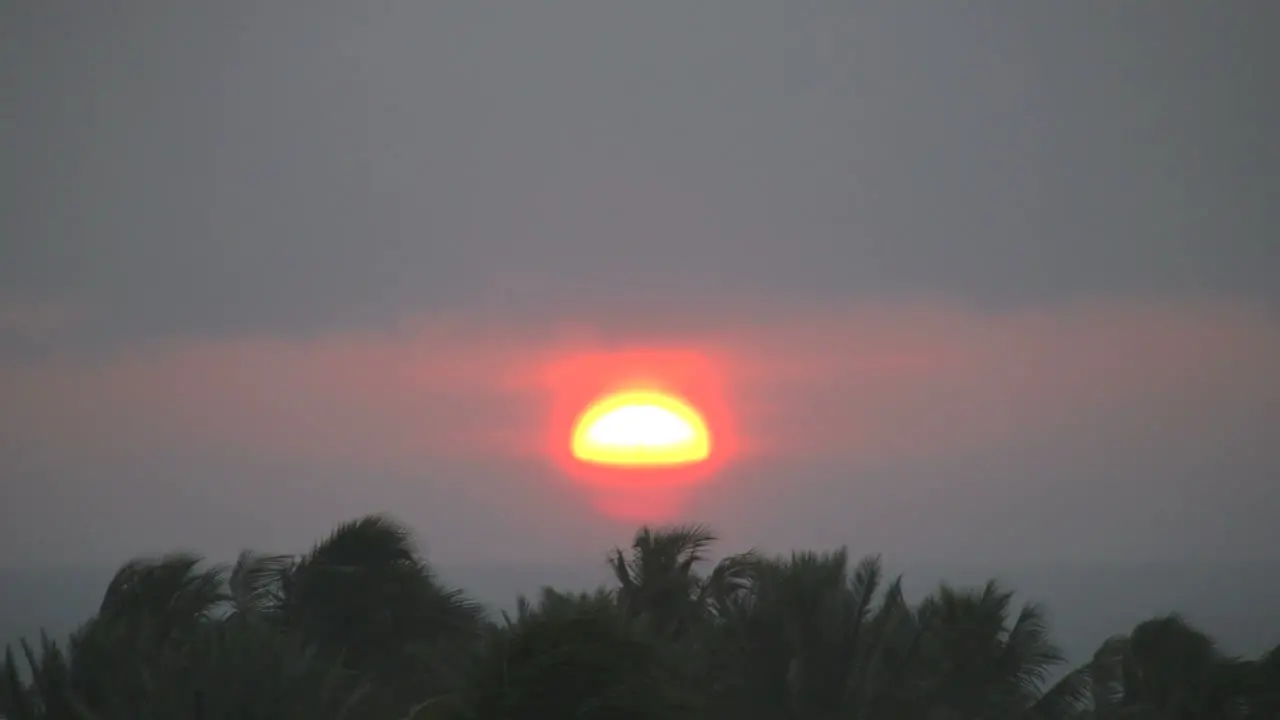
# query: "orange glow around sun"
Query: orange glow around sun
{"points": [[641, 428]]}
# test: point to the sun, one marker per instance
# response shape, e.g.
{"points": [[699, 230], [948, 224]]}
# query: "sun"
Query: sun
{"points": [[641, 428]]}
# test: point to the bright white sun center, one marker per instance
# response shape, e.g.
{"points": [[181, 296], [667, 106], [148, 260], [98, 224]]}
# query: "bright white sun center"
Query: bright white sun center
{"points": [[644, 425]]}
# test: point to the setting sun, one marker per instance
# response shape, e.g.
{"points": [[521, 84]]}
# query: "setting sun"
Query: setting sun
{"points": [[641, 428]]}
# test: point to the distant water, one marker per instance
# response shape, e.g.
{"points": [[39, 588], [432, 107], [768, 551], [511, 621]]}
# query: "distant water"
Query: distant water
{"points": [[1086, 603]]}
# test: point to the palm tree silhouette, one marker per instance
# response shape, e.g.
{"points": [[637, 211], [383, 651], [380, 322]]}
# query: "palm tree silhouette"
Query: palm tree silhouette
{"points": [[361, 628]]}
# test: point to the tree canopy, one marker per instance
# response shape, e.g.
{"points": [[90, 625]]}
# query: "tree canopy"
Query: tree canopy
{"points": [[361, 628]]}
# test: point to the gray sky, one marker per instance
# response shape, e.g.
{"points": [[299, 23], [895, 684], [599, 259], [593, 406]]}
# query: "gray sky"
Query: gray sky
{"points": [[989, 279]]}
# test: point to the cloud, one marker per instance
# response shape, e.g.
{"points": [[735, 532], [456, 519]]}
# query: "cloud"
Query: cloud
{"points": [[389, 397], [892, 381], [860, 383]]}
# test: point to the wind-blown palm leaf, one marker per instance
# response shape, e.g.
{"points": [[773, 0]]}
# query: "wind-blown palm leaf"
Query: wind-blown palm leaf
{"points": [[371, 541], [729, 579], [1177, 670], [1065, 698], [658, 581], [1029, 655], [365, 595], [863, 586], [370, 569], [1106, 675], [657, 554], [981, 664], [811, 640], [254, 584], [50, 678], [887, 645], [16, 702], [149, 606], [171, 592]]}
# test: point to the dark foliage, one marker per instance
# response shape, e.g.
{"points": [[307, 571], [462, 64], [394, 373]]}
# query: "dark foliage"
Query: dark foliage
{"points": [[360, 628]]}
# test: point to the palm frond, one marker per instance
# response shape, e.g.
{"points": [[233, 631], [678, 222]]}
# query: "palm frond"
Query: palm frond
{"points": [[731, 577], [254, 584], [1106, 671], [1067, 697], [371, 541], [1029, 653], [171, 590], [864, 583], [15, 698], [622, 571]]}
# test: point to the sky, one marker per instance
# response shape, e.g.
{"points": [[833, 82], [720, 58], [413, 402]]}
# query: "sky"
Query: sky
{"points": [[985, 282]]}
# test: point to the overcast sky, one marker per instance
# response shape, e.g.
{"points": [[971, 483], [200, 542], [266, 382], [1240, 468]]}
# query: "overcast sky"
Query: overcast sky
{"points": [[978, 280]]}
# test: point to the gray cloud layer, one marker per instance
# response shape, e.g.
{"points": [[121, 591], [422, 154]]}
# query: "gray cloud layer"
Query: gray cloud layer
{"points": [[240, 166]]}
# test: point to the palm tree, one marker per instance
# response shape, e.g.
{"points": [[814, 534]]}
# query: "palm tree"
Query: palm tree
{"points": [[365, 595], [1172, 670], [47, 695], [360, 628], [274, 636], [149, 609], [16, 702], [982, 664], [658, 581], [572, 655], [364, 590], [811, 640], [1166, 669], [162, 646]]}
